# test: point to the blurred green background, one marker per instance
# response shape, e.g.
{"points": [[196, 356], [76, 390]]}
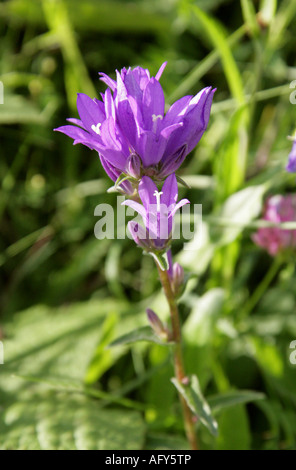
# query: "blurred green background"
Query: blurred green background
{"points": [[65, 295]]}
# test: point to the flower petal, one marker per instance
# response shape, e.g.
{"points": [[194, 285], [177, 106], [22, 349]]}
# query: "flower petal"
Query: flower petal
{"points": [[79, 135], [89, 112], [142, 76], [195, 117], [160, 71], [109, 105], [170, 192], [136, 206], [78, 122], [150, 148], [146, 191], [138, 233], [153, 103], [106, 79], [171, 163], [177, 110], [178, 206]]}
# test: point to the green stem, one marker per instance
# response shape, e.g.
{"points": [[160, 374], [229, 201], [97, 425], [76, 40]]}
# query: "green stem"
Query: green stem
{"points": [[261, 288], [178, 356]]}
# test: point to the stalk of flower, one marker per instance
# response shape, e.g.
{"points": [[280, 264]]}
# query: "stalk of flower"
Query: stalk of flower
{"points": [[157, 211]]}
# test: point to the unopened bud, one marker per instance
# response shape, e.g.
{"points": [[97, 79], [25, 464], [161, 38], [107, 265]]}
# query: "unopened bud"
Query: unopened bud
{"points": [[178, 278], [133, 165], [157, 325]]}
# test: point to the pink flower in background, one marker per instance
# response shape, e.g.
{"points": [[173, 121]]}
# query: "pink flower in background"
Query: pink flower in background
{"points": [[278, 209]]}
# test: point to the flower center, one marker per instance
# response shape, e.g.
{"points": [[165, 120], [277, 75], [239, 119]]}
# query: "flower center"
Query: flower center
{"points": [[96, 128]]}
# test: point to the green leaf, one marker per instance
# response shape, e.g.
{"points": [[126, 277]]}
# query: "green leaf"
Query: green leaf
{"points": [[68, 422], [121, 178], [182, 182], [199, 326], [114, 15], [102, 358], [166, 442], [199, 181], [227, 400], [267, 10], [59, 23], [249, 14], [19, 110], [217, 36], [240, 208], [59, 341], [197, 403], [230, 159], [234, 430], [144, 333], [161, 259], [203, 66], [199, 331], [65, 384]]}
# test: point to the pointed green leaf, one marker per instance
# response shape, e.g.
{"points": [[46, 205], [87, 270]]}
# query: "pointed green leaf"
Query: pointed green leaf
{"points": [[144, 333], [216, 34], [227, 400], [162, 260], [59, 421], [121, 178], [181, 181], [197, 403]]}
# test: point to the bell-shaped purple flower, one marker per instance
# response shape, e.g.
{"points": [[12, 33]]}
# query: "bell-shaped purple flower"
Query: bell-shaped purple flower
{"points": [[131, 121], [157, 213], [278, 209]]}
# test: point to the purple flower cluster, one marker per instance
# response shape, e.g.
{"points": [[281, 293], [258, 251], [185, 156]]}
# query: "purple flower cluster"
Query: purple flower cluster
{"points": [[278, 209], [139, 144], [130, 130]]}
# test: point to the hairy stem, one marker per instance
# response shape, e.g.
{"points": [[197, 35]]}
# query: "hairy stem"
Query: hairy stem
{"points": [[178, 356]]}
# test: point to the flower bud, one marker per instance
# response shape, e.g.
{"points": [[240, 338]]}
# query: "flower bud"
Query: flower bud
{"points": [[133, 165], [157, 325], [178, 278]]}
